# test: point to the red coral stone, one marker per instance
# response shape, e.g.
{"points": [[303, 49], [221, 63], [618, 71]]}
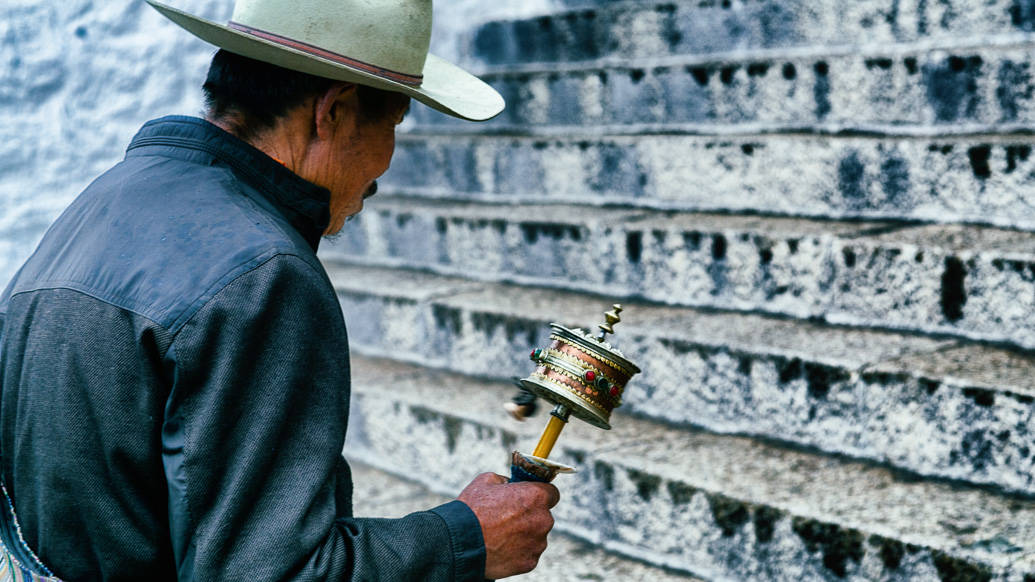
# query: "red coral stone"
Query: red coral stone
{"points": [[614, 391], [590, 375]]}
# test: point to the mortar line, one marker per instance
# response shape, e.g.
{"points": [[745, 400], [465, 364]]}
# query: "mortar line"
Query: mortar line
{"points": [[583, 132], [445, 196], [979, 42], [830, 321]]}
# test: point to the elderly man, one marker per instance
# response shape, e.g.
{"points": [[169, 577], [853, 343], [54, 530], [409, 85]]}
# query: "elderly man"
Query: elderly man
{"points": [[173, 360]]}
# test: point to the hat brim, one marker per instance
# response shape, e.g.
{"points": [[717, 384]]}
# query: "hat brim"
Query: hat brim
{"points": [[445, 86]]}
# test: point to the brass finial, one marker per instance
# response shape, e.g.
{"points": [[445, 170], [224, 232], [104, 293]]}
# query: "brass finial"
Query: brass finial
{"points": [[612, 318]]}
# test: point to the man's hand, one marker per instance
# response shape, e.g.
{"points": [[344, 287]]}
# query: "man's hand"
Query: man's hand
{"points": [[515, 518]]}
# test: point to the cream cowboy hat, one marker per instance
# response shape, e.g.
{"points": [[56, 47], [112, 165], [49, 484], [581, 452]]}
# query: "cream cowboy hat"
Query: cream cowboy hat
{"points": [[380, 43]]}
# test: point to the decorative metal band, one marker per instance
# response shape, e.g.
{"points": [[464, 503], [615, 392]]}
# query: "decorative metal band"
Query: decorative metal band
{"points": [[550, 375], [574, 378], [591, 345], [578, 365], [564, 346], [562, 376], [404, 78], [600, 400], [555, 360]]}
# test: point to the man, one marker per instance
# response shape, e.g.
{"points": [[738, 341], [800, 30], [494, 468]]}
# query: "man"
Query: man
{"points": [[173, 360]]}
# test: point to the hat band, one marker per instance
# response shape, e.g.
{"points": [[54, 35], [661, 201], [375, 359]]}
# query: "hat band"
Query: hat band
{"points": [[406, 79]]}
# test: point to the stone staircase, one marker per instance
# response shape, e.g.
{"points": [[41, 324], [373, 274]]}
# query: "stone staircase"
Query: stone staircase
{"points": [[817, 217], [379, 493]]}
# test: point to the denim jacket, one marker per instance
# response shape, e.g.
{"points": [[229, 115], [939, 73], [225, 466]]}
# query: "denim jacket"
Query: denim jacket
{"points": [[175, 384]]}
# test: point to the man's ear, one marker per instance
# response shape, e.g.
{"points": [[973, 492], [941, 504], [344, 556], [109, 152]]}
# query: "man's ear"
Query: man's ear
{"points": [[336, 107]]}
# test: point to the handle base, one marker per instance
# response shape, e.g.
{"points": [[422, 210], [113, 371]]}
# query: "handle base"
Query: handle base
{"points": [[531, 468]]}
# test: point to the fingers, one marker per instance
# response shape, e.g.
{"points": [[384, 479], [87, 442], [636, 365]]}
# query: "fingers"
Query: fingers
{"points": [[541, 524], [515, 520], [545, 493], [552, 494]]}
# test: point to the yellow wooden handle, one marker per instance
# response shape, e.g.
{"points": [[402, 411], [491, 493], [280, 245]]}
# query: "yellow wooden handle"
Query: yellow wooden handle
{"points": [[549, 438]]}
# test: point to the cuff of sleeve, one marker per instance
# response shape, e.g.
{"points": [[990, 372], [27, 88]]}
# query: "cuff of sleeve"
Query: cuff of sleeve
{"points": [[465, 535]]}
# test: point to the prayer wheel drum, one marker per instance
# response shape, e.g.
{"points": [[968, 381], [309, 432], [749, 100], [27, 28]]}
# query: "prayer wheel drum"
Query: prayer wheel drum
{"points": [[582, 373], [583, 376]]}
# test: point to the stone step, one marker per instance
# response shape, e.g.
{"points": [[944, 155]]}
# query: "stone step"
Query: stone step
{"points": [[650, 29], [382, 494], [931, 406], [979, 179], [974, 282], [720, 507], [887, 86]]}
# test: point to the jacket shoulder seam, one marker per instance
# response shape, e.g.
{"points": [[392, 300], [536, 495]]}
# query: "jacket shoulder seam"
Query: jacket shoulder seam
{"points": [[225, 281], [91, 293]]}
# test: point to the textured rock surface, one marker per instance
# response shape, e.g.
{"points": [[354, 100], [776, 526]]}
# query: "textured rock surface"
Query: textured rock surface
{"points": [[826, 162], [947, 179], [720, 507], [934, 279], [932, 406], [878, 89], [381, 494], [622, 30]]}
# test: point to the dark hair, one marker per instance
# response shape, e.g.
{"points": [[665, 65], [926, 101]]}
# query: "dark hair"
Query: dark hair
{"points": [[252, 94]]}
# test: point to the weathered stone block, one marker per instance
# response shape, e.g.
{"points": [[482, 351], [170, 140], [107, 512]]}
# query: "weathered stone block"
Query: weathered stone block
{"points": [[926, 405], [722, 507], [969, 281], [870, 91], [379, 493], [650, 29], [945, 180]]}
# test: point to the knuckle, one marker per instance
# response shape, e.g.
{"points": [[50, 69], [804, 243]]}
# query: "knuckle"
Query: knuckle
{"points": [[545, 494], [550, 494], [530, 493], [529, 563], [541, 520], [544, 527]]}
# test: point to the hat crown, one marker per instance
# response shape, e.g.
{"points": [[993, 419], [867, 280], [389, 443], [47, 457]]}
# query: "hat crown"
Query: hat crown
{"points": [[391, 34]]}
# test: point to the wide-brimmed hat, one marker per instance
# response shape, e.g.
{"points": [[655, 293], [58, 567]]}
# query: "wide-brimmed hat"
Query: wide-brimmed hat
{"points": [[380, 43]]}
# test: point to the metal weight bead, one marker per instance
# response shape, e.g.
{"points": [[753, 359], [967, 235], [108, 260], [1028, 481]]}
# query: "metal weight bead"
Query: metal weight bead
{"points": [[612, 318]]}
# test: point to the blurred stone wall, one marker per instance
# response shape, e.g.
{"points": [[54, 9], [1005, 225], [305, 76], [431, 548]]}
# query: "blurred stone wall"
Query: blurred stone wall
{"points": [[79, 77], [818, 216]]}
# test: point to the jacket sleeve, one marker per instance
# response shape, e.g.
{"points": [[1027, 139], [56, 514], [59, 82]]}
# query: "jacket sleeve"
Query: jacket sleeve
{"points": [[252, 441]]}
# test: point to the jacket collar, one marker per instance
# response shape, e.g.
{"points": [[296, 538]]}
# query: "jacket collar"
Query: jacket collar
{"points": [[303, 204]]}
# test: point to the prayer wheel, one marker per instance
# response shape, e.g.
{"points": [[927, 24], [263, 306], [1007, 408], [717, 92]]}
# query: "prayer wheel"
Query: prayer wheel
{"points": [[583, 376]]}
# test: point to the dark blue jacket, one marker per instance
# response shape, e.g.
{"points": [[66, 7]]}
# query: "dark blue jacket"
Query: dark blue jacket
{"points": [[175, 384]]}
